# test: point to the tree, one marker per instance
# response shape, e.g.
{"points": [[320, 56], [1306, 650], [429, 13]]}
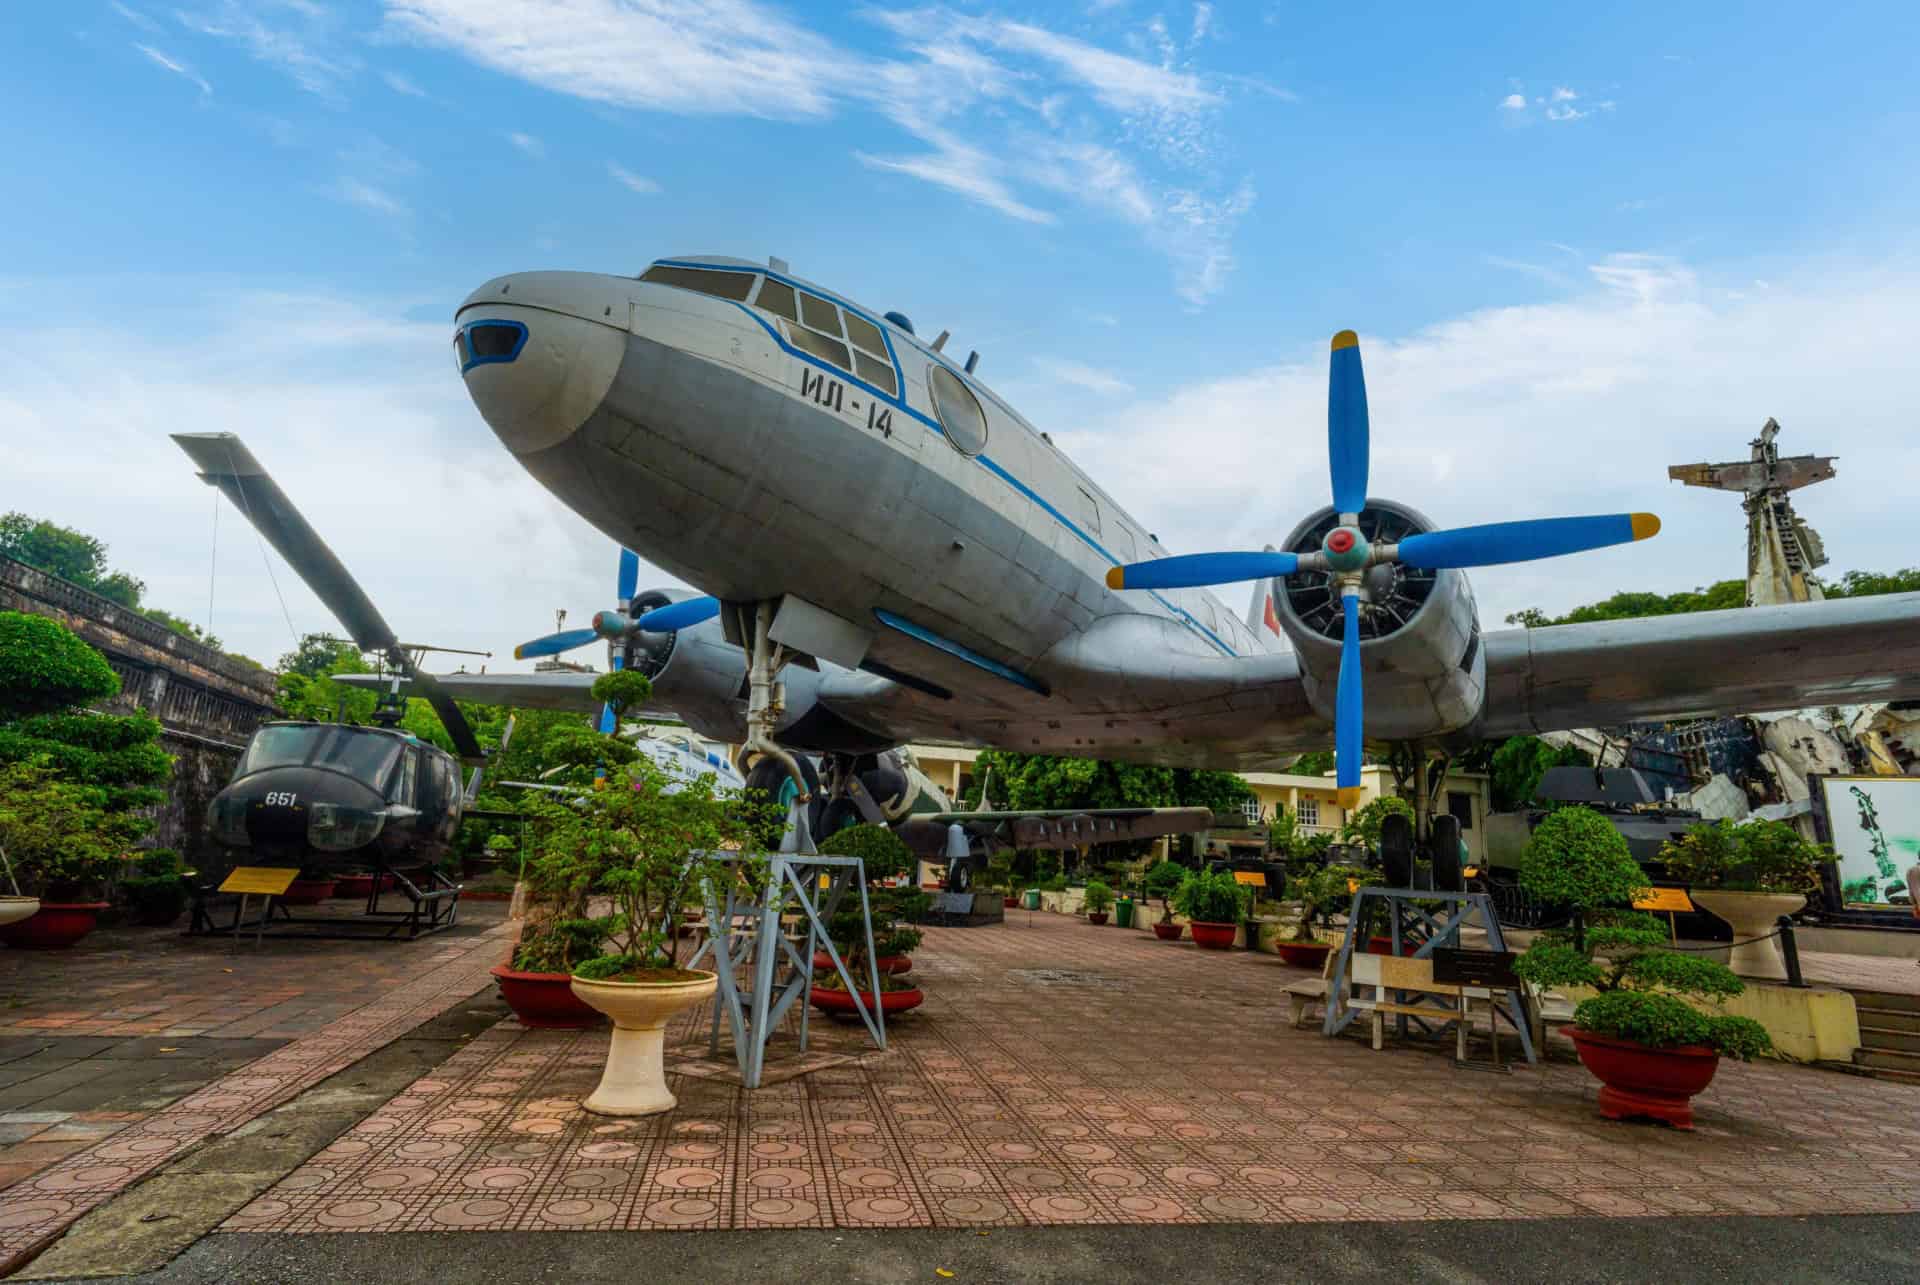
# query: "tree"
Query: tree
{"points": [[72, 555], [1628, 605], [1364, 825], [1518, 764], [1866, 584], [1048, 781], [44, 667]]}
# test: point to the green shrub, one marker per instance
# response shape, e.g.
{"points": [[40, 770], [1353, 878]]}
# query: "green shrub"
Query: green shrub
{"points": [[62, 843], [1099, 898], [1662, 1021], [1211, 897], [883, 854], [45, 667], [1759, 856], [1576, 860], [1364, 825], [558, 945]]}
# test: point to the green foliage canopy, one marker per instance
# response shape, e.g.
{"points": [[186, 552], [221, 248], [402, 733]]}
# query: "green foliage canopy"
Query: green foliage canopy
{"points": [[1211, 897], [1759, 856], [1047, 781], [1363, 826], [45, 667], [1515, 769], [1575, 859]]}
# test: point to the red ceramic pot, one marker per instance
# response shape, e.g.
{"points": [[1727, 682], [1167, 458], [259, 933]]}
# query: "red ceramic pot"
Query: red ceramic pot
{"points": [[1384, 946], [307, 892], [544, 1000], [1096, 917], [1212, 936], [55, 926], [892, 964], [831, 1001], [1640, 1081], [351, 886], [1168, 932], [1303, 954], [1013, 903]]}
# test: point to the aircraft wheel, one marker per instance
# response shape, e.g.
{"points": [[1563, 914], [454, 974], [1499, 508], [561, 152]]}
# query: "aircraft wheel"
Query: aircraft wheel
{"points": [[770, 776]]}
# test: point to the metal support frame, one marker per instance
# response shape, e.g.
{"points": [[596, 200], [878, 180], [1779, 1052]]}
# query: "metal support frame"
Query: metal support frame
{"points": [[782, 972], [428, 910], [1409, 921]]}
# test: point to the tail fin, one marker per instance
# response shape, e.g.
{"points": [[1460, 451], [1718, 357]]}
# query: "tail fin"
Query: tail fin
{"points": [[1261, 612]]}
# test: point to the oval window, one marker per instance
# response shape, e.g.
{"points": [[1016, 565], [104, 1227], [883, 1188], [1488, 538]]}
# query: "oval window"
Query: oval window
{"points": [[960, 415]]}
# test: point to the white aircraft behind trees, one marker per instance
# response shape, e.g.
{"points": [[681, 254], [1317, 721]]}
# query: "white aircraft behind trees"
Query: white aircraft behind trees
{"points": [[888, 552]]}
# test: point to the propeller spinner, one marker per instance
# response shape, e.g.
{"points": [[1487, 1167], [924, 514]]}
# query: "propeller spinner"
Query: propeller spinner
{"points": [[1345, 553]]}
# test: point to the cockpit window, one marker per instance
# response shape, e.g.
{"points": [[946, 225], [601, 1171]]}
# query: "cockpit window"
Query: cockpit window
{"points": [[363, 755], [964, 423], [724, 285], [818, 314], [777, 298]]}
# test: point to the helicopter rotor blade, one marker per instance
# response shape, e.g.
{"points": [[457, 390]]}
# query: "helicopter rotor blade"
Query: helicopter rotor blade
{"points": [[225, 462]]}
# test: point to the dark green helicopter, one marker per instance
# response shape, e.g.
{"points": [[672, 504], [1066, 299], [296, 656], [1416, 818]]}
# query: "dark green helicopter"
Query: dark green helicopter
{"points": [[333, 795]]}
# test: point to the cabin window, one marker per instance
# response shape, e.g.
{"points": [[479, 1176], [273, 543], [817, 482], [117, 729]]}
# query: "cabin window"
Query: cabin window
{"points": [[961, 418], [402, 791], [830, 350], [870, 359], [776, 297], [819, 315], [723, 285]]}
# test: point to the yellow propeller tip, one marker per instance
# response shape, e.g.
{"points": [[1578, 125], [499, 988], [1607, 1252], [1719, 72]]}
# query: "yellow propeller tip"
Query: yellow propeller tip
{"points": [[1345, 339], [1644, 525], [517, 655], [1348, 798], [1116, 577]]}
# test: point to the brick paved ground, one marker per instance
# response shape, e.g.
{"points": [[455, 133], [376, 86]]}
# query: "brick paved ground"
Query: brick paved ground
{"points": [[187, 1038], [1062, 1073]]}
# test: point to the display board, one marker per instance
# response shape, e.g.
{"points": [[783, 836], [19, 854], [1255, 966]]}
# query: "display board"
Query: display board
{"points": [[1873, 823]]}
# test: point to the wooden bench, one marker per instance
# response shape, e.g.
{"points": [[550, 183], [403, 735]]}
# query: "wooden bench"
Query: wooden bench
{"points": [[1307, 991], [1387, 974]]}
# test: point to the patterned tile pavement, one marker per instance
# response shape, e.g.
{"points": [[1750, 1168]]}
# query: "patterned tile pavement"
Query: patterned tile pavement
{"points": [[391, 988], [1061, 1073]]}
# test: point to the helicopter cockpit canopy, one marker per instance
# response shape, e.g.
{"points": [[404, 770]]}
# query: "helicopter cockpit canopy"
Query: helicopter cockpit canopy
{"points": [[364, 753]]}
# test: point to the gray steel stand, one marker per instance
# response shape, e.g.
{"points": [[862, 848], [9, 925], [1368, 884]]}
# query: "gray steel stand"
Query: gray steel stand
{"points": [[1414, 923], [754, 1013]]}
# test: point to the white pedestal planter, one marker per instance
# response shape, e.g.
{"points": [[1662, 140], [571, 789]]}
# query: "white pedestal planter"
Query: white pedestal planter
{"points": [[1750, 915], [635, 1080], [15, 909]]}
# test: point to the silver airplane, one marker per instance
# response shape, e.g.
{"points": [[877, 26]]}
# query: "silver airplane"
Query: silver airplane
{"points": [[849, 498]]}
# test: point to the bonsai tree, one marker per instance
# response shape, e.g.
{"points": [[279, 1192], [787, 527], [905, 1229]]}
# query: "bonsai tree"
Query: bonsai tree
{"points": [[1000, 874], [883, 855], [1162, 881], [1577, 861], [1760, 856], [1319, 894], [61, 841], [1099, 898], [647, 842], [155, 886], [1211, 897], [1363, 826]]}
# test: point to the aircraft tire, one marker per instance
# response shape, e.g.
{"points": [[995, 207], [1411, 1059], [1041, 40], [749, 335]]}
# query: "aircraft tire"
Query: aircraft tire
{"points": [[768, 774]]}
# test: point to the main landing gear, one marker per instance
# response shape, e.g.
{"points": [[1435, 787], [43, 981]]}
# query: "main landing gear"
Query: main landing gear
{"points": [[1424, 853], [786, 778]]}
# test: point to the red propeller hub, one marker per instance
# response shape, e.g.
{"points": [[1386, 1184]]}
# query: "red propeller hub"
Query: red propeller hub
{"points": [[1340, 541]]}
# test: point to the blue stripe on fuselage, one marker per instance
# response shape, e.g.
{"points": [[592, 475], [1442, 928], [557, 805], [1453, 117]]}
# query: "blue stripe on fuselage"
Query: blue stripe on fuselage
{"points": [[899, 402]]}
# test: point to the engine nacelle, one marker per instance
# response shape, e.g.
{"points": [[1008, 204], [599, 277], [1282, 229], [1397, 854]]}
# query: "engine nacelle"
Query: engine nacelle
{"points": [[1419, 633]]}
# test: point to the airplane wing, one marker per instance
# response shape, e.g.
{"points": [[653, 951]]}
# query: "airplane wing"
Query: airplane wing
{"points": [[1749, 660]]}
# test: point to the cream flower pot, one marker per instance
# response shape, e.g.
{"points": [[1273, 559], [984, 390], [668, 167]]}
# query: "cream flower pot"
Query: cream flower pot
{"points": [[15, 909], [1750, 915], [635, 1079]]}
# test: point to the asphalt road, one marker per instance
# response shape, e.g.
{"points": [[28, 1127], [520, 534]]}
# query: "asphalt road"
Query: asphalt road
{"points": [[1838, 1248]]}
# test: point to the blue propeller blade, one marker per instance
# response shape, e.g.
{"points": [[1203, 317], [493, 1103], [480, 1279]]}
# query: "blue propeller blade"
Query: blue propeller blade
{"points": [[679, 615], [1349, 707], [1192, 570], [1499, 542], [629, 581], [554, 644], [1347, 425]]}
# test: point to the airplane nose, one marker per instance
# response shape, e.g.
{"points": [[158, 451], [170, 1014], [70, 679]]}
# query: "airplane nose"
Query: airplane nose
{"points": [[539, 351]]}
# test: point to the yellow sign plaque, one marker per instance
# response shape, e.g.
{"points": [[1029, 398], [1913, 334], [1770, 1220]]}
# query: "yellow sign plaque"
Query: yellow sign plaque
{"points": [[1253, 878], [272, 880], [1673, 901]]}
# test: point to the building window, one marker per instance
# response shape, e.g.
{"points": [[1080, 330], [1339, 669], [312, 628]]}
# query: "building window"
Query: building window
{"points": [[1309, 812], [1460, 805], [1250, 808]]}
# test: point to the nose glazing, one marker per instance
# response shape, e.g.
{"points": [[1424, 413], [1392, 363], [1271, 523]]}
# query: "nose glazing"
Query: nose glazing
{"points": [[538, 355]]}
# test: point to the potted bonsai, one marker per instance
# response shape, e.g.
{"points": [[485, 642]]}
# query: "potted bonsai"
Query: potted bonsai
{"points": [[1099, 900], [1000, 875], [1749, 875], [1214, 904], [882, 855], [647, 842], [61, 846], [1316, 893], [537, 979], [313, 885], [156, 891], [1651, 1050], [1162, 881]]}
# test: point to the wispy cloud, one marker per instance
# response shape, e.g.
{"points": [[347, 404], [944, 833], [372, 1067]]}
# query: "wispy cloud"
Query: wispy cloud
{"points": [[352, 191], [982, 95], [1514, 102], [400, 84], [177, 67], [294, 48], [628, 179], [134, 16], [528, 143], [1560, 105], [1103, 382]]}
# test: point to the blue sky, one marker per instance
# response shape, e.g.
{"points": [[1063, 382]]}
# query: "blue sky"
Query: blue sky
{"points": [[1580, 244]]}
